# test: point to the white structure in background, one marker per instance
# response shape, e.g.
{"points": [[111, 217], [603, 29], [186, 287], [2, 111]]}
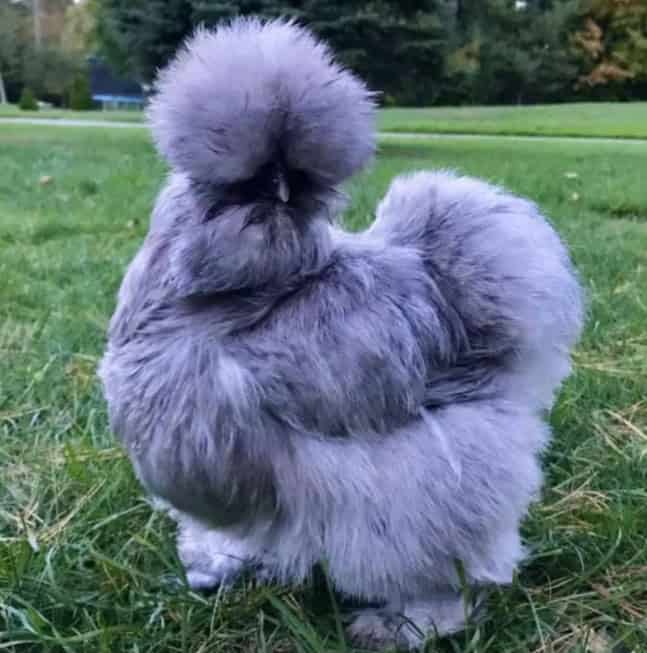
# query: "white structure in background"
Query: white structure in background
{"points": [[3, 94], [520, 5]]}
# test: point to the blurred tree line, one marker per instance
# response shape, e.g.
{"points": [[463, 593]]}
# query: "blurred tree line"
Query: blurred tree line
{"points": [[417, 52], [43, 48]]}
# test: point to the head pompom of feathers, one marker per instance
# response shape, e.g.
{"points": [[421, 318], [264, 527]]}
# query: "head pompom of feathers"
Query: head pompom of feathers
{"points": [[250, 90]]}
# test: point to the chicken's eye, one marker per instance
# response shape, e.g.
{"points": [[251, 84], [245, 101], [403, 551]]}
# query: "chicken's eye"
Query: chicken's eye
{"points": [[298, 181], [257, 186], [271, 181]]}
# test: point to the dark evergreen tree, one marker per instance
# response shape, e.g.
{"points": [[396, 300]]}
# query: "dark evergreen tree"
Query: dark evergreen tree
{"points": [[398, 47], [14, 35], [414, 51], [27, 100], [80, 98], [139, 36], [525, 54]]}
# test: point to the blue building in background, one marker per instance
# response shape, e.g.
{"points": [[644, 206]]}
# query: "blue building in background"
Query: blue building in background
{"points": [[112, 91]]}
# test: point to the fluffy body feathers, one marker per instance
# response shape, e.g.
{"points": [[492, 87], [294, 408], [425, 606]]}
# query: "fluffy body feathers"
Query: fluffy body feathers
{"points": [[296, 393]]}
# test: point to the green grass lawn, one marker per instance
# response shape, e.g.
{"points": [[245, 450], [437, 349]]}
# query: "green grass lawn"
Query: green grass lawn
{"points": [[12, 111], [85, 565], [612, 120]]}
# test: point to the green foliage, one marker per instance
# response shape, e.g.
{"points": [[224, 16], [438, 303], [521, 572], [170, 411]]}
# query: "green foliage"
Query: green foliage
{"points": [[523, 55], [10, 26], [80, 98], [415, 52], [79, 32], [140, 36], [13, 29], [50, 72], [612, 43], [137, 36], [48, 69], [27, 100]]}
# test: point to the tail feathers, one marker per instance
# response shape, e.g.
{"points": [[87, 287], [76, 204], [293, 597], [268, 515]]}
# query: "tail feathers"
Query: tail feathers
{"points": [[504, 271]]}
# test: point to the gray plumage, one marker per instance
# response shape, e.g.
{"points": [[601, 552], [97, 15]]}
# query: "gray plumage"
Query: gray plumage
{"points": [[295, 393]]}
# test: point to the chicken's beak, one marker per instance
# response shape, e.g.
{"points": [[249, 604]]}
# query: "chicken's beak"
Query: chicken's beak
{"points": [[282, 189]]}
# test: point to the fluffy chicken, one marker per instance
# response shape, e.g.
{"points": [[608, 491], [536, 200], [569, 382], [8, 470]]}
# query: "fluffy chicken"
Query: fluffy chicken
{"points": [[294, 393]]}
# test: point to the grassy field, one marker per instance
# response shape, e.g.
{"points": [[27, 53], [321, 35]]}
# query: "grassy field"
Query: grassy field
{"points": [[12, 111], [599, 119], [84, 563], [586, 120]]}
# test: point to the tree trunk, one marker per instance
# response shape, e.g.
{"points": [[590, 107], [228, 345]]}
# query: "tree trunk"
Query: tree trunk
{"points": [[3, 93], [460, 14], [38, 33]]}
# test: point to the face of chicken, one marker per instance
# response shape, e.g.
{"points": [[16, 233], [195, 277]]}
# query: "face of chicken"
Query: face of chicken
{"points": [[260, 126], [273, 188], [259, 233]]}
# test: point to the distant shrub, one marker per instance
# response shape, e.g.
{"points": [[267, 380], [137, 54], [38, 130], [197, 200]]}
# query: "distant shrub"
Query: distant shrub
{"points": [[80, 98], [27, 100], [389, 101]]}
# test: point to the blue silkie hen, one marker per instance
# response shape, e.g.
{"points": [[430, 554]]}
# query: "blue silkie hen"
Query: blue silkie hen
{"points": [[295, 393]]}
